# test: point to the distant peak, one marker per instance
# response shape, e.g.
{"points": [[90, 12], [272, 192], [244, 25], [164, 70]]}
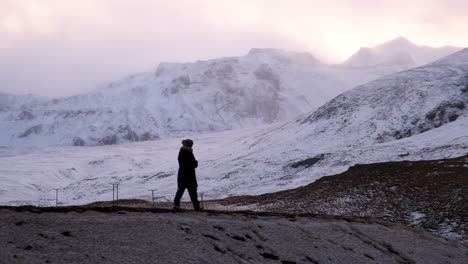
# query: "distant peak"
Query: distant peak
{"points": [[400, 39], [399, 42]]}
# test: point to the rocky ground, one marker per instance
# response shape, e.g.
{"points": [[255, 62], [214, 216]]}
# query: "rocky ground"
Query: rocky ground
{"points": [[125, 235], [429, 194], [432, 195]]}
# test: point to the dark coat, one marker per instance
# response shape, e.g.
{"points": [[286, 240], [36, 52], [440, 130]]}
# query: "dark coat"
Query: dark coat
{"points": [[187, 163]]}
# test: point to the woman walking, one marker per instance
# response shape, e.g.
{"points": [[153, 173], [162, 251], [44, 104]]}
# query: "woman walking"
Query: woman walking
{"points": [[186, 178]]}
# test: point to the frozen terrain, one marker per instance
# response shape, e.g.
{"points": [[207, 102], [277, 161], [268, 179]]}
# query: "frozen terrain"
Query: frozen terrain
{"points": [[412, 115], [180, 99], [154, 236]]}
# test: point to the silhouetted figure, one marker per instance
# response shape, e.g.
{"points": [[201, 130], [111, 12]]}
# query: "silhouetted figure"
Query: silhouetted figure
{"points": [[186, 178]]}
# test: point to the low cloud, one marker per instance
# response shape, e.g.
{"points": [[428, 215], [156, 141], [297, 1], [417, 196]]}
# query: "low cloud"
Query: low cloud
{"points": [[59, 48]]}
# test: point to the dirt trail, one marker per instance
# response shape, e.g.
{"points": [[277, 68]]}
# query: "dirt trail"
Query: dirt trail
{"points": [[118, 235]]}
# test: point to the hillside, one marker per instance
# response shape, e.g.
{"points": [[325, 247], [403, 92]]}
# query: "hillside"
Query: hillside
{"points": [[432, 195]]}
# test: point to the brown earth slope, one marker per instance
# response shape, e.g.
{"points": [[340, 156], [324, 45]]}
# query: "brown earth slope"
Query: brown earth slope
{"points": [[428, 194]]}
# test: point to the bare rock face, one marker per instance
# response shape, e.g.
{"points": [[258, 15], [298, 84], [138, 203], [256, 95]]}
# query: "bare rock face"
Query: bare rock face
{"points": [[264, 72], [108, 140], [25, 115], [32, 130], [77, 141], [117, 135], [444, 113]]}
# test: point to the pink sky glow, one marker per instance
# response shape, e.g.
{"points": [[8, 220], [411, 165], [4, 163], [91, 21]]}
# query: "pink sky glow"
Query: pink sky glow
{"points": [[63, 47]]}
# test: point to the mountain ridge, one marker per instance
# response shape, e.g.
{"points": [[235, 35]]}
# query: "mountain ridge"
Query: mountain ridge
{"points": [[265, 86], [185, 99]]}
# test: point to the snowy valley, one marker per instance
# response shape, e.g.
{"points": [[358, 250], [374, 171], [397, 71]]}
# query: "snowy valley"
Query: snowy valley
{"points": [[412, 115]]}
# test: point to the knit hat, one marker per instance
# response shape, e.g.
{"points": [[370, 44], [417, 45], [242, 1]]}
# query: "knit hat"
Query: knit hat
{"points": [[187, 142]]}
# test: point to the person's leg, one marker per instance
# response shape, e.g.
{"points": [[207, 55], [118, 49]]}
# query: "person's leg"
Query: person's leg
{"points": [[193, 196], [178, 196]]}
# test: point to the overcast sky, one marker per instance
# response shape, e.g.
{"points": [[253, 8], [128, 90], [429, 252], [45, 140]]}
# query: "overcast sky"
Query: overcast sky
{"points": [[66, 47]]}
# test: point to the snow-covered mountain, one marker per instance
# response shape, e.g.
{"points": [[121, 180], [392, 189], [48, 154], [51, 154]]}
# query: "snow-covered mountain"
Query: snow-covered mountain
{"points": [[412, 115], [398, 106], [180, 99], [397, 55], [415, 114]]}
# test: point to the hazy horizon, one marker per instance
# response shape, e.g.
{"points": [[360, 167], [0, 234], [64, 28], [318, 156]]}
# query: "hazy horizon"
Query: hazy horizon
{"points": [[62, 48]]}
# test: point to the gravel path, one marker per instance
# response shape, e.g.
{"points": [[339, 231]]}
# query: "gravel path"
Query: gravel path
{"points": [[157, 236]]}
